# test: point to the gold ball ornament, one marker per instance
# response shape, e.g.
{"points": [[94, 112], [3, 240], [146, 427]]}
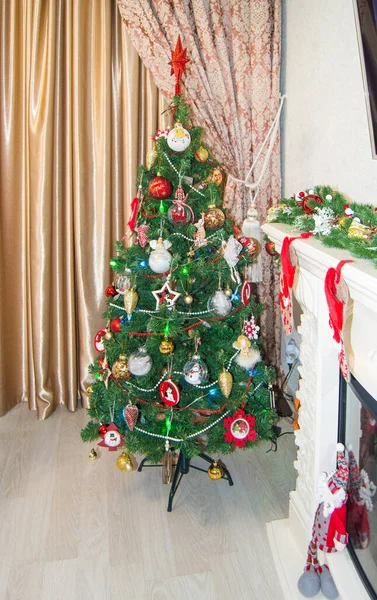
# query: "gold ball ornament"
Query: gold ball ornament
{"points": [[228, 291], [92, 454], [120, 369], [225, 382], [201, 154], [214, 218], [215, 177], [188, 299], [108, 335], [131, 298], [215, 471], [124, 463], [166, 346]]}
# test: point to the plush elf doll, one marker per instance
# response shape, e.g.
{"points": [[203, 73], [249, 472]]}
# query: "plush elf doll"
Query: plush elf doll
{"points": [[329, 531], [360, 494]]}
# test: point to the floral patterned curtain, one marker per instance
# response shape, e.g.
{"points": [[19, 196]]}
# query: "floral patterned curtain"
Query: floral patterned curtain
{"points": [[232, 85]]}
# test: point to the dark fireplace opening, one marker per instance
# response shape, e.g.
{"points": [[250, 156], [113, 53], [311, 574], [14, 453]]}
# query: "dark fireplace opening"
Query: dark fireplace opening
{"points": [[358, 427]]}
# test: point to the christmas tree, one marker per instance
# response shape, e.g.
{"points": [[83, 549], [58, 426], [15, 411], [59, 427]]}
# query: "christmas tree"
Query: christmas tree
{"points": [[179, 366]]}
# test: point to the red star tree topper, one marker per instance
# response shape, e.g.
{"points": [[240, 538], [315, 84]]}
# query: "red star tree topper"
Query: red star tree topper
{"points": [[178, 64]]}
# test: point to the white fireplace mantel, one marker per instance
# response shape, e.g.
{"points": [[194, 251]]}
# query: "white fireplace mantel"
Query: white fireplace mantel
{"points": [[318, 394]]}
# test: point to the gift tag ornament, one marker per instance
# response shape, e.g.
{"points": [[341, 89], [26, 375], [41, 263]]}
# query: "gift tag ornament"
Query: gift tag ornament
{"points": [[248, 357], [169, 392], [140, 362], [195, 371], [98, 340], [225, 382], [120, 369], [111, 438], [131, 413], [179, 138], [160, 188], [160, 258], [239, 429]]}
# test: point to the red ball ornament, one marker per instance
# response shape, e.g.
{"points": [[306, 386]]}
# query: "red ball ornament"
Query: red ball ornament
{"points": [[115, 325], [160, 188], [102, 430], [305, 207], [110, 291], [270, 248]]}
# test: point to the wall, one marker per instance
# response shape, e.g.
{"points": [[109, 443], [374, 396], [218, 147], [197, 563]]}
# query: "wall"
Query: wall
{"points": [[325, 135]]}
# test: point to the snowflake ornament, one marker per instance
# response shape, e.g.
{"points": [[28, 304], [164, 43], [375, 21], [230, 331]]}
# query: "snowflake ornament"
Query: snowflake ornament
{"points": [[322, 219], [251, 329]]}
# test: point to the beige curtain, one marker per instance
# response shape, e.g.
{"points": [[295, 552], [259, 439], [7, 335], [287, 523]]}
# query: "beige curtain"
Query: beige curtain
{"points": [[232, 85], [77, 112]]}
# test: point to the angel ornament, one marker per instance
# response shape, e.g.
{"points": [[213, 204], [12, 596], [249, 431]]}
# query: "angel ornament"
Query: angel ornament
{"points": [[200, 235], [231, 250], [248, 356], [160, 258]]}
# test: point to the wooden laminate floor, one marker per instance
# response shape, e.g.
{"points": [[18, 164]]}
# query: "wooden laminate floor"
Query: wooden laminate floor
{"points": [[74, 529]]}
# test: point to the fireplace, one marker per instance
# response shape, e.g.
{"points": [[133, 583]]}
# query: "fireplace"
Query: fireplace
{"points": [[358, 427], [318, 393]]}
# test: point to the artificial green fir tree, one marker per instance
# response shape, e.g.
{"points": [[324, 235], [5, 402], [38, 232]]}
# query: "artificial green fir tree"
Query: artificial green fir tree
{"points": [[179, 365]]}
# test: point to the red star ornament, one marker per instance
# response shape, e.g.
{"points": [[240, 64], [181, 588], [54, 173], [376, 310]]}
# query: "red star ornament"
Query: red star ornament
{"points": [[111, 438], [178, 64]]}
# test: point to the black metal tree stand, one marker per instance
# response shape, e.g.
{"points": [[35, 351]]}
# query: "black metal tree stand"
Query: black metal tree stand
{"points": [[182, 468]]}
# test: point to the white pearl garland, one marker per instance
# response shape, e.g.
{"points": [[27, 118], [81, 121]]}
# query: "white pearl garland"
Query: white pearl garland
{"points": [[176, 170], [189, 437]]}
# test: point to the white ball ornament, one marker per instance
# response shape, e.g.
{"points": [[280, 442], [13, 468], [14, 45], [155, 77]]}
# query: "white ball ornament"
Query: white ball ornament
{"points": [[329, 197], [140, 362], [179, 138], [219, 304]]}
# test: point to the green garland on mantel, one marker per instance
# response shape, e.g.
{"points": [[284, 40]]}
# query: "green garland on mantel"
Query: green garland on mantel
{"points": [[334, 220]]}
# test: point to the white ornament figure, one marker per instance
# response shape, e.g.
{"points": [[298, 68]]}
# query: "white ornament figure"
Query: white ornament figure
{"points": [[179, 138], [231, 251], [160, 258], [140, 362], [248, 357]]}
